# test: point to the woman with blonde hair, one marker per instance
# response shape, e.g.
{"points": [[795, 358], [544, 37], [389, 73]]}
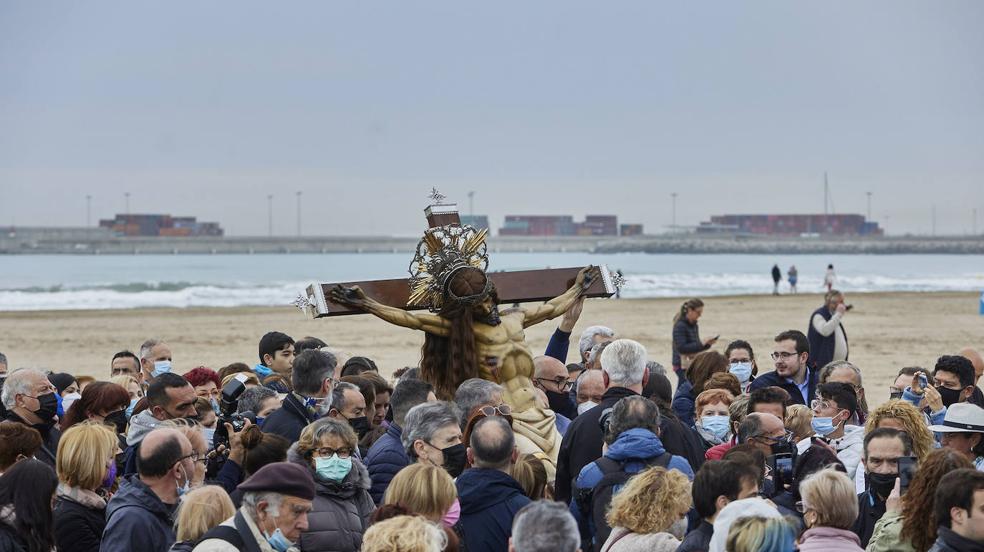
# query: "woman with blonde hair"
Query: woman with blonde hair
{"points": [[799, 420], [761, 534], [650, 512], [201, 510], [425, 490], [86, 466], [531, 475], [901, 415], [829, 508], [404, 534]]}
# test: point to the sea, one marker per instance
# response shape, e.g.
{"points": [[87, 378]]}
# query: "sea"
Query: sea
{"points": [[46, 282]]}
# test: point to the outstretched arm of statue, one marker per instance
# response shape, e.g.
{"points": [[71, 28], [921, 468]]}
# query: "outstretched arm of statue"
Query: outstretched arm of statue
{"points": [[355, 297], [559, 305]]}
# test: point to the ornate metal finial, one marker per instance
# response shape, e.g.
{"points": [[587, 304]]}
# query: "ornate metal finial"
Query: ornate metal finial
{"points": [[437, 197], [302, 302]]}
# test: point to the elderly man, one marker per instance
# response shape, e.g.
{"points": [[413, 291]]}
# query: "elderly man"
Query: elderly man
{"points": [[828, 340], [763, 431], [589, 388], [29, 398], [155, 359], [169, 397], [387, 455], [624, 367], [276, 502], [140, 516], [544, 526], [432, 436], [551, 376], [313, 379], [349, 405], [842, 371], [490, 497]]}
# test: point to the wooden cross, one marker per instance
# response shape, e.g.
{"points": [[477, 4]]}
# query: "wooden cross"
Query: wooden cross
{"points": [[520, 286]]}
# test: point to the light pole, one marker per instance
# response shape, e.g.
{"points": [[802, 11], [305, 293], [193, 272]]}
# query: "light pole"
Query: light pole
{"points": [[298, 214], [88, 210], [673, 226], [270, 214]]}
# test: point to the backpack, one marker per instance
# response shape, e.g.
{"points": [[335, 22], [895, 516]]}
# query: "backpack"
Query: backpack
{"points": [[594, 502]]}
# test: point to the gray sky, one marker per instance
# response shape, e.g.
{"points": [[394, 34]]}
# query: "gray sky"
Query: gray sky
{"points": [[551, 107]]}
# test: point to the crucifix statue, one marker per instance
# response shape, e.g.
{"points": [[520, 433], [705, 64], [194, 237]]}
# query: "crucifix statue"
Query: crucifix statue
{"points": [[466, 336]]}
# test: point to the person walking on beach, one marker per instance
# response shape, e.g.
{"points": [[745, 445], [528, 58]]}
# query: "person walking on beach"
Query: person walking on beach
{"points": [[829, 278], [776, 278], [793, 275]]}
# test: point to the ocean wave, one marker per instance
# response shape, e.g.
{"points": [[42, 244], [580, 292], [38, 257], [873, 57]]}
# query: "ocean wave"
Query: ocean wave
{"points": [[182, 294]]}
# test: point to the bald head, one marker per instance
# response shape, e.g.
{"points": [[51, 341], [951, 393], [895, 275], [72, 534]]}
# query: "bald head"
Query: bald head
{"points": [[492, 444], [160, 451], [548, 367], [975, 358]]}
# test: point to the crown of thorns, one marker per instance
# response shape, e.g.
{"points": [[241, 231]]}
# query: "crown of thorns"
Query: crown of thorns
{"points": [[441, 253]]}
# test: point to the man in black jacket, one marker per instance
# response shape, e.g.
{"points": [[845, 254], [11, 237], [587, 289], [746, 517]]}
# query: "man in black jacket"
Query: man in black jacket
{"points": [[624, 366], [313, 379], [882, 449], [792, 373], [29, 398], [958, 505]]}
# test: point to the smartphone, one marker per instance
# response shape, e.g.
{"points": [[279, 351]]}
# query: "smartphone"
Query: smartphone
{"points": [[907, 469], [923, 382]]}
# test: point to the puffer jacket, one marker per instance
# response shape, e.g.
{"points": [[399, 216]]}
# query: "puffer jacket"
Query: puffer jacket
{"points": [[136, 519], [849, 448], [829, 539], [340, 513], [386, 457]]}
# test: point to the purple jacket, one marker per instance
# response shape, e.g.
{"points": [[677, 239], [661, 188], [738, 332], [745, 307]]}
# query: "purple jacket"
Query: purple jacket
{"points": [[829, 539]]}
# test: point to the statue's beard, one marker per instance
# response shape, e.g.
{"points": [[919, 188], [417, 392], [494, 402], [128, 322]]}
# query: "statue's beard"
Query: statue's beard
{"points": [[492, 319]]}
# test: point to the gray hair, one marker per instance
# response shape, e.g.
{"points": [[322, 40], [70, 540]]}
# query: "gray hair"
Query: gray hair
{"points": [[655, 368], [831, 366], [147, 346], [424, 420], [323, 427], [625, 362], [634, 412], [472, 393], [596, 352], [338, 394], [310, 369], [18, 383], [253, 397], [545, 526], [587, 337], [253, 498], [750, 427]]}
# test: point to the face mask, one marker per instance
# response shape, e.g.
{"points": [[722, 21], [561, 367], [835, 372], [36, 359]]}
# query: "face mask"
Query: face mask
{"points": [[129, 409], [715, 425], [741, 370], [183, 489], [215, 407], [679, 528], [454, 459], [259, 421], [262, 371], [209, 436], [118, 419], [320, 405], [161, 367], [47, 406], [277, 540], [881, 483], [949, 396], [360, 425], [332, 467], [560, 403], [783, 446], [67, 400], [823, 425], [454, 513], [110, 476], [585, 406]]}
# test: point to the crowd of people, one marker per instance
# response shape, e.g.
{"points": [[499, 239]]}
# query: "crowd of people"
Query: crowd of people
{"points": [[313, 450]]}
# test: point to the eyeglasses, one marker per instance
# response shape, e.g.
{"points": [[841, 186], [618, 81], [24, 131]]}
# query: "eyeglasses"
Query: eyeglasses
{"points": [[783, 355], [819, 404], [559, 381], [802, 507], [501, 410], [326, 451], [194, 457], [786, 437]]}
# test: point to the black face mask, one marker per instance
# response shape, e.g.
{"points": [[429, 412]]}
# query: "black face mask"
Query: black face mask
{"points": [[118, 419], [454, 459], [48, 406], [949, 396], [881, 483], [360, 425], [561, 403]]}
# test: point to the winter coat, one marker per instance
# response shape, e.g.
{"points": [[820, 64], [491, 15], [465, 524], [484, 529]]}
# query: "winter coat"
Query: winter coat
{"points": [[639, 542], [870, 510], [136, 519], [489, 501], [822, 347], [681, 440], [340, 513], [140, 425], [948, 541], [10, 541], [290, 419], [849, 448], [698, 540], [635, 449], [386, 457], [887, 535], [581, 444], [684, 403], [772, 379], [183, 546], [79, 518], [829, 539], [686, 340]]}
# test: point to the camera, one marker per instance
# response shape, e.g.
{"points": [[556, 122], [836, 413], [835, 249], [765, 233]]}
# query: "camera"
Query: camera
{"points": [[228, 405]]}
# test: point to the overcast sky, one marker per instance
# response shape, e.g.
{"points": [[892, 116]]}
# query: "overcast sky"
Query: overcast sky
{"points": [[546, 107]]}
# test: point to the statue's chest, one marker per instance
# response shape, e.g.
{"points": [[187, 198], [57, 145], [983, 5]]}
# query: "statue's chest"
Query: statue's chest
{"points": [[503, 334]]}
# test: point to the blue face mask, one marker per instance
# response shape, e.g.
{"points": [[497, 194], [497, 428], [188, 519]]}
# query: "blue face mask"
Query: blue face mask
{"points": [[332, 467], [129, 409], [715, 425], [823, 425], [183, 489], [215, 407], [209, 436], [259, 421], [262, 371], [278, 541], [741, 370], [161, 367]]}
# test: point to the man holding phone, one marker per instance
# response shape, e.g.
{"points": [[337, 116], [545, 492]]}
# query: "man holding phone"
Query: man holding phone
{"points": [[882, 449], [828, 340]]}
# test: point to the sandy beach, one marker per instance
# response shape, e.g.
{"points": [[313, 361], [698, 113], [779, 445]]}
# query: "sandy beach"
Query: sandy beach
{"points": [[886, 331]]}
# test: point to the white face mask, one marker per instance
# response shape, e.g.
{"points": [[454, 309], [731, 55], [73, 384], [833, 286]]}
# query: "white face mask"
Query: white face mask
{"points": [[67, 400], [679, 528], [585, 406]]}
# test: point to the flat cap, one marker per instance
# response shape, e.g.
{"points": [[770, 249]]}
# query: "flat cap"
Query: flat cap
{"points": [[281, 477]]}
